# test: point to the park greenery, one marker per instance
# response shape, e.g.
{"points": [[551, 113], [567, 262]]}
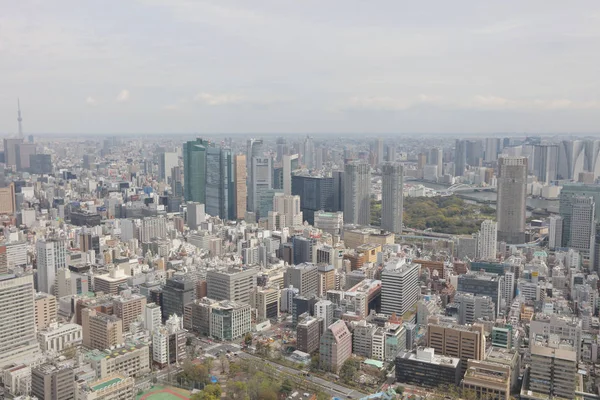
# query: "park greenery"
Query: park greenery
{"points": [[448, 214]]}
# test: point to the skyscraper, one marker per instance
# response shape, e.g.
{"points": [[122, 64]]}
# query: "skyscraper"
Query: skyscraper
{"points": [[166, 162], [357, 193], [220, 185], [51, 255], [545, 162], [555, 232], [316, 193], [583, 228], [567, 194], [241, 190], [487, 240], [17, 320], [436, 157], [460, 157], [194, 170], [290, 163], [309, 153], [399, 287], [254, 149], [392, 199], [379, 148], [511, 199]]}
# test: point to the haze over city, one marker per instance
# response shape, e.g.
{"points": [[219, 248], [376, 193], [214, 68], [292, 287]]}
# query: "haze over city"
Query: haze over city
{"points": [[174, 66]]}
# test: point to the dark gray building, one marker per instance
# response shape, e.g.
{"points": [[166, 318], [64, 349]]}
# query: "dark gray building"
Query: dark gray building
{"points": [[425, 368], [316, 193], [177, 292], [482, 284], [40, 164]]}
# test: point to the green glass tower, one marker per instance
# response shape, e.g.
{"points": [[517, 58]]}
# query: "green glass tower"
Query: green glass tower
{"points": [[194, 170]]}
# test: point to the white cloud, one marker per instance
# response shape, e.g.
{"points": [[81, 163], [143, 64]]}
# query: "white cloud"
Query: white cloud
{"points": [[219, 99], [171, 107], [123, 96], [386, 103], [91, 101], [501, 103]]}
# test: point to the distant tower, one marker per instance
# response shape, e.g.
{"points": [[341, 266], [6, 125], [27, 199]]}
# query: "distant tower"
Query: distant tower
{"points": [[19, 119], [391, 197]]}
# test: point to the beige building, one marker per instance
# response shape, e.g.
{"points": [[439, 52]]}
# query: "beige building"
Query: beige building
{"points": [[552, 373], [128, 308], [266, 303], [109, 283], [241, 190], [356, 237], [129, 359], [17, 320], [7, 199], [45, 310], [101, 331], [464, 342], [113, 387]]}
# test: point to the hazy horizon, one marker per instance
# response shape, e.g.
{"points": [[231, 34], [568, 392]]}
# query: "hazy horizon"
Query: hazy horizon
{"points": [[287, 68]]}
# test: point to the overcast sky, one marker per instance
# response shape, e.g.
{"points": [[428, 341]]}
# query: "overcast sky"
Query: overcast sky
{"points": [[154, 66]]}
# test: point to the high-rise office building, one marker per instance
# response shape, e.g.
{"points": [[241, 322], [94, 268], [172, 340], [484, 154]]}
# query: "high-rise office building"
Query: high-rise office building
{"points": [[492, 148], [399, 287], [129, 307], [464, 342], [196, 214], [555, 231], [177, 292], [357, 193], [582, 232], [7, 199], [379, 157], [553, 372], [194, 170], [436, 157], [460, 157], [241, 189], [261, 183], [545, 162], [40, 164], [153, 227], [316, 193], [288, 209], [289, 165], [177, 181], [487, 240], [101, 331], [166, 162], [304, 277], [335, 346], [49, 382], [11, 147], [392, 199], [51, 255], [24, 151], [220, 183], [17, 320], [254, 150], [309, 153], [567, 194], [511, 199], [484, 284], [233, 284]]}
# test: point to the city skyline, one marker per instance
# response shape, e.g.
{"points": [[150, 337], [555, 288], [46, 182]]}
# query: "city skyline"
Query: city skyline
{"points": [[154, 67]]}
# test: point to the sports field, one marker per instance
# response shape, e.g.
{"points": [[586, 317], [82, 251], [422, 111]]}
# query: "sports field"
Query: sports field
{"points": [[159, 392]]}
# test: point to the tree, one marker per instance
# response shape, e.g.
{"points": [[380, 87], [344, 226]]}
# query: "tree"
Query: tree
{"points": [[238, 390], [400, 389], [248, 339], [224, 363], [348, 370], [314, 362], [210, 392], [286, 387]]}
